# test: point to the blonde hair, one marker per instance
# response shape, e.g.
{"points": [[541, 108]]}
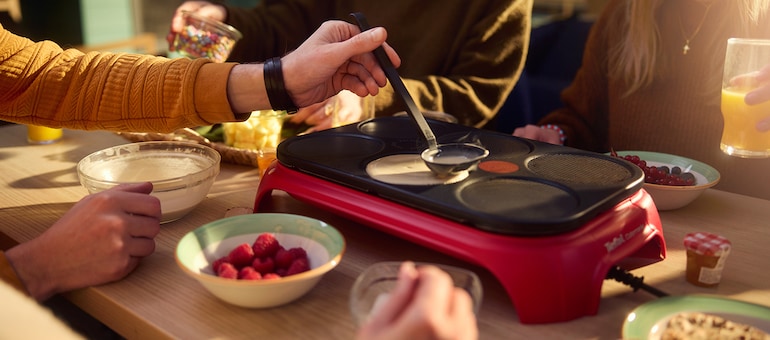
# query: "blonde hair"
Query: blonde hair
{"points": [[637, 59]]}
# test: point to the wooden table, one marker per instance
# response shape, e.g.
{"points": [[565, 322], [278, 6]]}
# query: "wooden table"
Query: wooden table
{"points": [[39, 183]]}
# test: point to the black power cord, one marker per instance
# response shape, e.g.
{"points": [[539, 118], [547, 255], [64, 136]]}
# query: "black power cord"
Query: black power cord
{"points": [[635, 282]]}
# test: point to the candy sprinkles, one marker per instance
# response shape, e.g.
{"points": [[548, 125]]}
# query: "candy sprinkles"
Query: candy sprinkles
{"points": [[204, 38], [197, 43]]}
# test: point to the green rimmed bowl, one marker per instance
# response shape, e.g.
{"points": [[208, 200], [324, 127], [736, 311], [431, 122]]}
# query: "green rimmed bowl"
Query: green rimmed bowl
{"points": [[198, 249], [669, 197]]}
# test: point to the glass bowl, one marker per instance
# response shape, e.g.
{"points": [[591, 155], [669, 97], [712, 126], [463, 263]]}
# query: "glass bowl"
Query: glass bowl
{"points": [[374, 284], [204, 38], [181, 172]]}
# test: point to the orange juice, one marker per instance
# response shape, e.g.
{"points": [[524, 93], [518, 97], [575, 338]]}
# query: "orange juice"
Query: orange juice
{"points": [[740, 136], [265, 157], [42, 135]]}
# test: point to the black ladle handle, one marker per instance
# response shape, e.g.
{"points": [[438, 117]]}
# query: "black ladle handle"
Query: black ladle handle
{"points": [[398, 85]]}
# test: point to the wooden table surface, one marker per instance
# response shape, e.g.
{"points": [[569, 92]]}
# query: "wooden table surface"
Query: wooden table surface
{"points": [[157, 300]]}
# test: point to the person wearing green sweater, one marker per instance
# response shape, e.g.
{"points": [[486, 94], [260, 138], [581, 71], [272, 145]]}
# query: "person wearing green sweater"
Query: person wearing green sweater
{"points": [[459, 57], [651, 80]]}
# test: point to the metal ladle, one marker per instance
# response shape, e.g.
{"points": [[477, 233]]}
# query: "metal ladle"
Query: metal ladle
{"points": [[445, 159]]}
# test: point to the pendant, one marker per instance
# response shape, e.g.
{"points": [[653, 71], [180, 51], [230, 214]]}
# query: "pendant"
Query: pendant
{"points": [[686, 47]]}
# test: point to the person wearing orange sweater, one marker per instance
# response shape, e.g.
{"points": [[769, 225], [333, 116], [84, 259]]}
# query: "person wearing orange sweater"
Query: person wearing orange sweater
{"points": [[42, 84], [651, 81]]}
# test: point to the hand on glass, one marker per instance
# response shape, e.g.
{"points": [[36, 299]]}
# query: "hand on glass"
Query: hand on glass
{"points": [[100, 239], [203, 8], [537, 133], [760, 94], [424, 305]]}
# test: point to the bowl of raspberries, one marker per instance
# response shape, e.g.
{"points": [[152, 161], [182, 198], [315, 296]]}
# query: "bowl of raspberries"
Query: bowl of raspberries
{"points": [[260, 260], [672, 181]]}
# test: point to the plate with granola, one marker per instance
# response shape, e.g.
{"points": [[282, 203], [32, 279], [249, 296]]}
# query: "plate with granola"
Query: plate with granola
{"points": [[698, 317]]}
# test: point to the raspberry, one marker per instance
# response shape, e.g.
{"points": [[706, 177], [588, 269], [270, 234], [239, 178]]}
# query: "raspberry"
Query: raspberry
{"points": [[242, 255], [265, 245], [271, 276], [263, 265], [249, 273], [218, 262], [264, 259], [298, 266], [283, 258], [298, 252], [227, 271]]}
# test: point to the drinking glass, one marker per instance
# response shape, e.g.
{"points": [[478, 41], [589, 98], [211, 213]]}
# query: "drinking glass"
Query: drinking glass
{"points": [[43, 134], [740, 137], [374, 284]]}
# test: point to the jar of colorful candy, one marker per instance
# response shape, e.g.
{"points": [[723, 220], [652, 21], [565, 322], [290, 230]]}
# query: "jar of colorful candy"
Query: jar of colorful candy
{"points": [[205, 38]]}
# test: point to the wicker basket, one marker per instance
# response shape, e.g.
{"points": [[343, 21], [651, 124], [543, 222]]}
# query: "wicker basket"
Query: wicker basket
{"points": [[229, 154]]}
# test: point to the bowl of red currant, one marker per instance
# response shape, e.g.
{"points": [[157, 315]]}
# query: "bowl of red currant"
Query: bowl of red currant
{"points": [[672, 181]]}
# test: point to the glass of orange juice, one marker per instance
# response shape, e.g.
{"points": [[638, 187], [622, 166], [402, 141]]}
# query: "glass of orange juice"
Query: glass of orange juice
{"points": [[42, 134], [740, 137]]}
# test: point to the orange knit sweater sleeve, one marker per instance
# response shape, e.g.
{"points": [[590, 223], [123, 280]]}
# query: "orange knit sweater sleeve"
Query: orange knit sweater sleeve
{"points": [[42, 84]]}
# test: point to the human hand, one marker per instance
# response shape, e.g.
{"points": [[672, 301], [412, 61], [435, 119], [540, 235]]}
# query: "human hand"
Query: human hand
{"points": [[336, 57], [425, 304], [537, 133], [203, 8], [759, 83], [346, 106], [99, 240], [760, 80]]}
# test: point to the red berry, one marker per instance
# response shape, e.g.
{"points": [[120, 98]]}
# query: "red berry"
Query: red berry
{"points": [[283, 258], [270, 276], [298, 266], [218, 262], [242, 255], [265, 245], [249, 273], [298, 252], [263, 265], [227, 271]]}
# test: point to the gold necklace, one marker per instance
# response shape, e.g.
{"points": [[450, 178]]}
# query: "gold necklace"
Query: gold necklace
{"points": [[686, 47]]}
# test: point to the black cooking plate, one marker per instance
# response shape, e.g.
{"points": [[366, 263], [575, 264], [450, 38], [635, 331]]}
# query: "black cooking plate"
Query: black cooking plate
{"points": [[523, 187]]}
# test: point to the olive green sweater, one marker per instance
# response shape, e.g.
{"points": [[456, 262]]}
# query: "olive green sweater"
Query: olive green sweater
{"points": [[458, 56], [678, 114]]}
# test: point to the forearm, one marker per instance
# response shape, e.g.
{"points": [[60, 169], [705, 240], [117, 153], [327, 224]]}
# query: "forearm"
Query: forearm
{"points": [[44, 85], [246, 88], [9, 261]]}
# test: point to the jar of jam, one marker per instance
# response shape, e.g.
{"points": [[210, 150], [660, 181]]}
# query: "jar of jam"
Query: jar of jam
{"points": [[706, 256]]}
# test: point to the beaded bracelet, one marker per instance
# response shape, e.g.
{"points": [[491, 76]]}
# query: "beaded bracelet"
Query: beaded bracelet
{"points": [[275, 87], [562, 136]]}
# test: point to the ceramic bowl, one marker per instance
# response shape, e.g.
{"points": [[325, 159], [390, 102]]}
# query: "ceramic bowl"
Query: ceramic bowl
{"points": [[669, 197], [181, 172], [199, 248]]}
